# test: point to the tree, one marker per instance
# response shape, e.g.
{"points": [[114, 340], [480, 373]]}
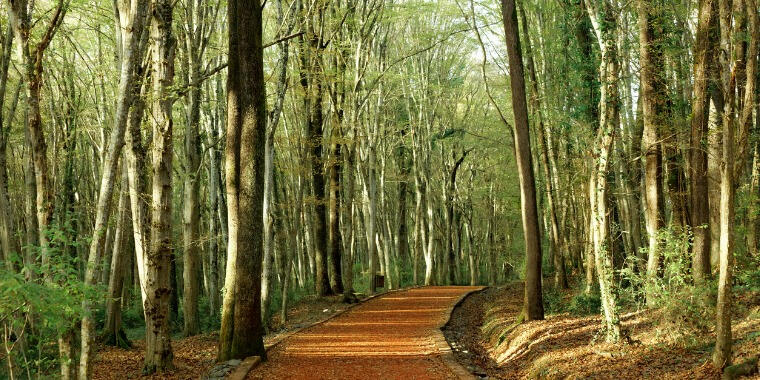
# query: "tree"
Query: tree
{"points": [[158, 349], [605, 27], [700, 105], [533, 307], [733, 158], [241, 332], [654, 99]]}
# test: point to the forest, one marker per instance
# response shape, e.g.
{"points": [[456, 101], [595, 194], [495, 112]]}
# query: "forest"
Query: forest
{"points": [[572, 186]]}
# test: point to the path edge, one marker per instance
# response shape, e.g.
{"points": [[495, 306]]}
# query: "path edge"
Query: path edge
{"points": [[444, 349]]}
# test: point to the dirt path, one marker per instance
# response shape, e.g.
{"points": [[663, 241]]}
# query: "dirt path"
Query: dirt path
{"points": [[395, 336]]}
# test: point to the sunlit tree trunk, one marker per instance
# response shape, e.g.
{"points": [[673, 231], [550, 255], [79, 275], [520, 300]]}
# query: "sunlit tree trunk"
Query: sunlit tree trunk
{"points": [[730, 163], [158, 289], [604, 25], [654, 97], [241, 332]]}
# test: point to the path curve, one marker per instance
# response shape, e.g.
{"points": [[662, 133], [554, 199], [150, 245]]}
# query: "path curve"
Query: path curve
{"points": [[393, 336]]}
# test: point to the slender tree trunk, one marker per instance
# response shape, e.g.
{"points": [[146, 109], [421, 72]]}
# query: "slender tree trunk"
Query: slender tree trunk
{"points": [[348, 217], [654, 98], [191, 205], [752, 228], [113, 334], [216, 239], [533, 307], [700, 106], [32, 59], [8, 244], [723, 344], [269, 153], [451, 220], [336, 278]]}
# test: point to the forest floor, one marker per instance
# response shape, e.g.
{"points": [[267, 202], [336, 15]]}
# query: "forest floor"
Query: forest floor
{"points": [[196, 355], [484, 339], [393, 336]]}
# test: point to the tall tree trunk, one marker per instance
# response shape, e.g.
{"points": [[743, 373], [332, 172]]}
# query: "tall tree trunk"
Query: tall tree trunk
{"points": [[158, 349], [700, 106], [654, 98], [533, 307], [190, 205], [605, 26], [723, 344], [242, 330], [214, 194], [8, 244], [348, 217], [31, 58]]}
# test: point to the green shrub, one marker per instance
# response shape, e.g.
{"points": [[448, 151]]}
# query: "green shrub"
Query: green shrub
{"points": [[54, 304], [585, 304], [748, 273], [686, 310], [552, 300]]}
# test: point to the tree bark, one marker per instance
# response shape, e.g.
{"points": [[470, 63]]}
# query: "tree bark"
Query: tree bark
{"points": [[8, 244], [605, 26], [723, 343], [533, 307], [242, 330], [700, 106], [654, 98], [158, 349]]}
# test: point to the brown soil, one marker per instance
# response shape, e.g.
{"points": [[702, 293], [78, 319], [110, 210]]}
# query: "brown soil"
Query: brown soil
{"points": [[485, 341], [389, 337], [196, 355]]}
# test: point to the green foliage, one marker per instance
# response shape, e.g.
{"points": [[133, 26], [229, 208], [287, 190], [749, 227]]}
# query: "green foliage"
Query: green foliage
{"points": [[552, 300], [748, 273], [685, 309], [53, 302], [585, 304]]}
